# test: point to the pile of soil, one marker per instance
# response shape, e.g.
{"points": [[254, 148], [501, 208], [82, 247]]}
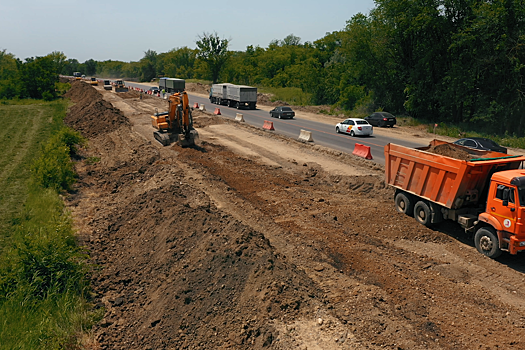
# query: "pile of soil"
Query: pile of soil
{"points": [[91, 115], [175, 271], [204, 248], [450, 151], [198, 88]]}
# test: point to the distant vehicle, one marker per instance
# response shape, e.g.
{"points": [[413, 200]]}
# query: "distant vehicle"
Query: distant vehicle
{"points": [[83, 76], [107, 85], [480, 143], [355, 127], [231, 95], [172, 85], [77, 75], [154, 90], [93, 81], [282, 112], [381, 119], [119, 86]]}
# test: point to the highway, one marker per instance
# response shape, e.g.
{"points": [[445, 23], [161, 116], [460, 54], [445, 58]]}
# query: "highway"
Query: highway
{"points": [[322, 133]]}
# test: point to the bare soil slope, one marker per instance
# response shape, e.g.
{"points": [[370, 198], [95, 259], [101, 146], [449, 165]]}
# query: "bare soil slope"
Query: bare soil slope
{"points": [[213, 248]]}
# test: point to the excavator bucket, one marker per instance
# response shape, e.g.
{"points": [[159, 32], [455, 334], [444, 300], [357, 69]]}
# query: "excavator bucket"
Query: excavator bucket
{"points": [[189, 141]]}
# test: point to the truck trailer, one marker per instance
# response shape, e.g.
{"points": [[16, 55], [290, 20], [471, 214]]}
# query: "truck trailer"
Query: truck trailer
{"points": [[232, 95], [484, 194], [172, 85]]}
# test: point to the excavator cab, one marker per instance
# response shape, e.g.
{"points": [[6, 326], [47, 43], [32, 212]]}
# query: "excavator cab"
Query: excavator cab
{"points": [[175, 125]]}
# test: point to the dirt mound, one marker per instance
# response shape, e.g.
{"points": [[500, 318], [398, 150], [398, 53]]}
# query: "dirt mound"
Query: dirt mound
{"points": [[450, 151], [209, 248], [198, 88], [91, 114], [201, 120], [175, 271], [131, 94]]}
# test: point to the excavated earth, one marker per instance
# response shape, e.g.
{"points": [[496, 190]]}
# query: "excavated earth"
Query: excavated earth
{"points": [[233, 245]]}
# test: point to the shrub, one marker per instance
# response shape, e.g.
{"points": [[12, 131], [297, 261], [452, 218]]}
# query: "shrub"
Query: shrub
{"points": [[54, 168]]}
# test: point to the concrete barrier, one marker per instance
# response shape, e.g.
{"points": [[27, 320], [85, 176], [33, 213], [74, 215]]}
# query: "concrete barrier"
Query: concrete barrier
{"points": [[362, 151], [268, 125], [202, 108], [217, 111], [239, 117], [305, 136]]}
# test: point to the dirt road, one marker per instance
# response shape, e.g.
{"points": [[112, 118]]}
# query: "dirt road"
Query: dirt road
{"points": [[253, 241]]}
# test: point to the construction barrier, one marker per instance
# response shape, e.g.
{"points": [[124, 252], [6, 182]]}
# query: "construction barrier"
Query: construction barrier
{"points": [[202, 108], [362, 151], [239, 117], [305, 136], [195, 105], [268, 125], [217, 111]]}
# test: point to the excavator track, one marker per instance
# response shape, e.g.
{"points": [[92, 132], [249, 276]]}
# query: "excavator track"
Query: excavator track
{"points": [[163, 138]]}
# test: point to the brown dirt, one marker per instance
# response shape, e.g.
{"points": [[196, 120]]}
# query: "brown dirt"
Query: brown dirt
{"points": [[90, 114], [450, 151], [209, 248]]}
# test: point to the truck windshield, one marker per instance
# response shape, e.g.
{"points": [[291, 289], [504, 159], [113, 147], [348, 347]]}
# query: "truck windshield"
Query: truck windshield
{"points": [[521, 194]]}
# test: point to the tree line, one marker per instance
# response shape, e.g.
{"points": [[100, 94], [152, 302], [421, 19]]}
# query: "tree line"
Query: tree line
{"points": [[458, 61]]}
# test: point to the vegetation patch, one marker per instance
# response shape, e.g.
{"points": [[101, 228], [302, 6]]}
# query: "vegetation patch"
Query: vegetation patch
{"points": [[44, 284]]}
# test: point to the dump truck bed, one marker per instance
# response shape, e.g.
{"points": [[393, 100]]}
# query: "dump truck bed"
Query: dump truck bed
{"points": [[450, 182], [242, 93]]}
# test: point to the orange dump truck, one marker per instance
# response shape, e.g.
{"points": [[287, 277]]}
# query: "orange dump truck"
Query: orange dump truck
{"points": [[484, 194]]}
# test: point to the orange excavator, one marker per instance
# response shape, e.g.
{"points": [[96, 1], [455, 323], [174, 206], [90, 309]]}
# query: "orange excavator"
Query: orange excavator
{"points": [[175, 125]]}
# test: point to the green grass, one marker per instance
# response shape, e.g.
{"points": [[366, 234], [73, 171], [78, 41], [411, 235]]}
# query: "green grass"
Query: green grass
{"points": [[62, 88], [290, 95], [44, 287]]}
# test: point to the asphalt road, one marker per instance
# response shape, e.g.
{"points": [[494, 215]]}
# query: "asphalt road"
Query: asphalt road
{"points": [[322, 134]]}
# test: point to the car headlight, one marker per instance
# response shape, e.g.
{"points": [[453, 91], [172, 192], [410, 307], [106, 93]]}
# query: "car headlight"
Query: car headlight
{"points": [[522, 244]]}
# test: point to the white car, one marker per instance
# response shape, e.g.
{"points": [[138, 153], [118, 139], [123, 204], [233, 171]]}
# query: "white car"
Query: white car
{"points": [[355, 127]]}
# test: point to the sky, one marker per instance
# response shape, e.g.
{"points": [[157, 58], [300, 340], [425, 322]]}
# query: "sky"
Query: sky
{"points": [[124, 30]]}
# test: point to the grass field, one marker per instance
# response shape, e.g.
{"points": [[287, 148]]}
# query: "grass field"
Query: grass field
{"points": [[43, 283]]}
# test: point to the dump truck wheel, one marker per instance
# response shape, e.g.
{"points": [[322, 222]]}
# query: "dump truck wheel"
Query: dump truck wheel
{"points": [[403, 204], [422, 213], [487, 243]]}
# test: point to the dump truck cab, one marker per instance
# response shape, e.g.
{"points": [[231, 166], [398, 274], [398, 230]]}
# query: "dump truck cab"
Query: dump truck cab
{"points": [[505, 209]]}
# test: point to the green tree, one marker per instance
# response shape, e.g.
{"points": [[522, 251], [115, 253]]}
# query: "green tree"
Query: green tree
{"points": [[291, 40], [148, 66], [8, 75], [213, 51], [70, 65], [59, 61], [38, 78], [91, 67], [177, 63]]}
